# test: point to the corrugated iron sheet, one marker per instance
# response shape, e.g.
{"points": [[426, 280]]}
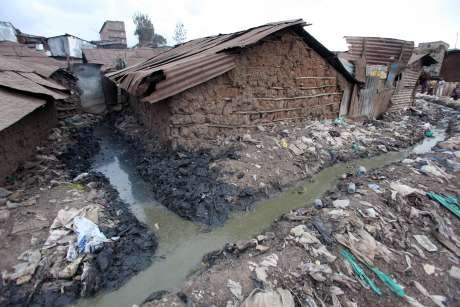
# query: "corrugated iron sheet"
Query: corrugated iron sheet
{"points": [[14, 106], [404, 94], [108, 57], [200, 60], [18, 55], [379, 50], [451, 66], [16, 81]]}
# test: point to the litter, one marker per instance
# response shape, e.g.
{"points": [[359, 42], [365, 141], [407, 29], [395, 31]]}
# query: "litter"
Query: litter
{"points": [[317, 270], [271, 260], [454, 272], [439, 300], [361, 171], [318, 203], [273, 298], [426, 243], [389, 282], [326, 235], [24, 270], [235, 289], [375, 187], [429, 268], [89, 237], [341, 203], [403, 189], [303, 235], [359, 271], [450, 202], [351, 188]]}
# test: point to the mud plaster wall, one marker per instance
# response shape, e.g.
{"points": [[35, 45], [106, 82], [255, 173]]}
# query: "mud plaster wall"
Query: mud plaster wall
{"points": [[280, 78], [20, 139]]}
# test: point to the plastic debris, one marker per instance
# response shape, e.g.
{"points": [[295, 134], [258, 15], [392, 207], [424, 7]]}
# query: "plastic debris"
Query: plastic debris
{"points": [[428, 133], [426, 243], [351, 188], [273, 298], [318, 203], [450, 202], [341, 203], [235, 289], [359, 271], [439, 300], [389, 282], [24, 270], [454, 272], [89, 237], [429, 268], [375, 187], [403, 189], [361, 171]]}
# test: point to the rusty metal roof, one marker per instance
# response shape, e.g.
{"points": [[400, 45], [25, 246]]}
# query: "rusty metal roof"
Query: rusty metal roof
{"points": [[450, 70], [14, 106], [22, 90], [108, 57], [22, 55], [425, 58], [379, 50], [202, 59]]}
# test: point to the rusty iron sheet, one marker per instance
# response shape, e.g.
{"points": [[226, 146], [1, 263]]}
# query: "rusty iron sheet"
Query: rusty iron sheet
{"points": [[18, 54], [379, 50], [450, 70], [199, 60], [13, 80], [14, 106], [108, 57]]}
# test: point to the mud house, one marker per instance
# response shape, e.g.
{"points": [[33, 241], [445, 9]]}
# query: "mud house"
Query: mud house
{"points": [[230, 83], [27, 110]]}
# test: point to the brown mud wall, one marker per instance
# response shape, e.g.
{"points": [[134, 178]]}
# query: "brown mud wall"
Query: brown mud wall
{"points": [[280, 78], [19, 140]]}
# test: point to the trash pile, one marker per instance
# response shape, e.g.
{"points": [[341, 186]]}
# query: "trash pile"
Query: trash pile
{"points": [[65, 232], [389, 236], [252, 166]]}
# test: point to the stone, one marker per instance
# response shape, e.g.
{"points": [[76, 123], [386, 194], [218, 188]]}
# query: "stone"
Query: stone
{"points": [[454, 272], [318, 203]]}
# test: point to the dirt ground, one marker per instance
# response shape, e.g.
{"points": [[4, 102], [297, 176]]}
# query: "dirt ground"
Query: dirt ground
{"points": [[205, 186], [34, 265], [385, 221]]}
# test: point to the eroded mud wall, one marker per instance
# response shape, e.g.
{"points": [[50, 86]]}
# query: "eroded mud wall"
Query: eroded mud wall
{"points": [[20, 139], [280, 78]]}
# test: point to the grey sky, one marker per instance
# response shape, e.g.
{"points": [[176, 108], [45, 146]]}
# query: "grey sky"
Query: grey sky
{"points": [[418, 20]]}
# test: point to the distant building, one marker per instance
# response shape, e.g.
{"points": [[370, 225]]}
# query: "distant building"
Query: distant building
{"points": [[437, 51], [68, 46], [113, 33], [7, 32]]}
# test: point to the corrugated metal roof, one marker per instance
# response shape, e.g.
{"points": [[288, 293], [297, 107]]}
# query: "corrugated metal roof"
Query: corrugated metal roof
{"points": [[19, 54], [426, 59], [108, 57], [14, 106], [200, 60], [379, 50]]}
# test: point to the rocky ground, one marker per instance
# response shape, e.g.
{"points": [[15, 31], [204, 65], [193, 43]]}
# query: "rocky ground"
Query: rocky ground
{"points": [[378, 238], [205, 186], [39, 207]]}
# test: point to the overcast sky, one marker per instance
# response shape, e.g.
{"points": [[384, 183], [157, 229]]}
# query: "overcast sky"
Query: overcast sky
{"points": [[418, 20]]}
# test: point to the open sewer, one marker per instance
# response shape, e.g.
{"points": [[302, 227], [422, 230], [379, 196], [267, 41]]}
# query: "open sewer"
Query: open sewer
{"points": [[182, 243]]}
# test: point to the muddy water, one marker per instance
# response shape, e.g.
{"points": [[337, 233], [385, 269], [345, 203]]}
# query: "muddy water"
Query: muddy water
{"points": [[182, 243]]}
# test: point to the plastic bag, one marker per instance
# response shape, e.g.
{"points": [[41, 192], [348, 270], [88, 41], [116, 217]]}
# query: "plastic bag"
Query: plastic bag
{"points": [[89, 237]]}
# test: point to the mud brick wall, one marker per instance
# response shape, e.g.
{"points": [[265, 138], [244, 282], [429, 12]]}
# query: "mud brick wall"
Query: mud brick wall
{"points": [[280, 78], [19, 140]]}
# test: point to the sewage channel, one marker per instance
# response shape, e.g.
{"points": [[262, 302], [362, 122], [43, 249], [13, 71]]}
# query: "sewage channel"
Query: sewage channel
{"points": [[182, 243]]}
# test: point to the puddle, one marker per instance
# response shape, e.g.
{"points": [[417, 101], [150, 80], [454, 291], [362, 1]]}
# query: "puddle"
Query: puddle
{"points": [[182, 244]]}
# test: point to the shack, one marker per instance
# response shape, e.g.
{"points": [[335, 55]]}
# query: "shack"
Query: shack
{"points": [[97, 90], [230, 83], [407, 81], [450, 71], [378, 62], [27, 112], [68, 46]]}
